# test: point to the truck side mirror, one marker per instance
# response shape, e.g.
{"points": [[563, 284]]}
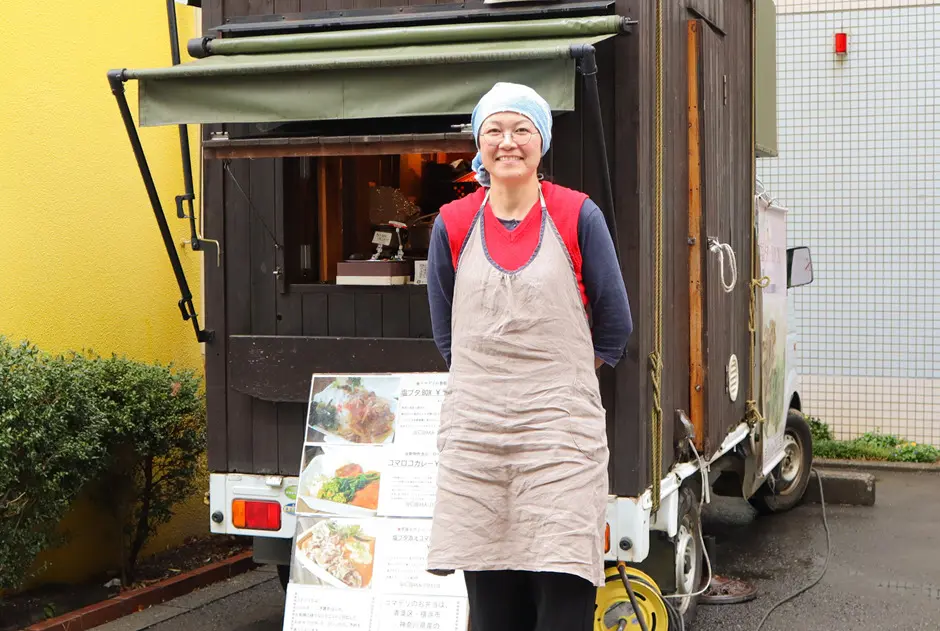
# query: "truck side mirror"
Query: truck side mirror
{"points": [[799, 267]]}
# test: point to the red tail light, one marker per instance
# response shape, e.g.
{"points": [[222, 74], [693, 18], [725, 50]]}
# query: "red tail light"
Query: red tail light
{"points": [[256, 515]]}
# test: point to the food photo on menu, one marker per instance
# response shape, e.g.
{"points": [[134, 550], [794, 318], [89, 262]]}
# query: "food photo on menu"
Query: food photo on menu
{"points": [[353, 410], [334, 552], [340, 481]]}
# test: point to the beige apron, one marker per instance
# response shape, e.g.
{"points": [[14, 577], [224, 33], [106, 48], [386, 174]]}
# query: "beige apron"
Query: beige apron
{"points": [[522, 482]]}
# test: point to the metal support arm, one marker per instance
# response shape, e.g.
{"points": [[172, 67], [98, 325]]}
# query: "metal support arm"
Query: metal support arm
{"points": [[116, 80], [587, 64], [189, 196]]}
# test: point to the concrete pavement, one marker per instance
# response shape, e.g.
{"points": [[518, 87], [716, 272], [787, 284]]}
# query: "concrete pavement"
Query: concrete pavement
{"points": [[884, 572], [249, 602]]}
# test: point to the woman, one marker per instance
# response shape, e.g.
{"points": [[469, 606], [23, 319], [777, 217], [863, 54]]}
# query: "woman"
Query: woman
{"points": [[522, 485]]}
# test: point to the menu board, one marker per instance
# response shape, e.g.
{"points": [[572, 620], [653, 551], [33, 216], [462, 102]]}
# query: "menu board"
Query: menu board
{"points": [[365, 498]]}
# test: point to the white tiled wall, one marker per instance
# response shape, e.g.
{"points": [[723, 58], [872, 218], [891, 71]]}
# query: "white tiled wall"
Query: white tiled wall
{"points": [[805, 6], [858, 169]]}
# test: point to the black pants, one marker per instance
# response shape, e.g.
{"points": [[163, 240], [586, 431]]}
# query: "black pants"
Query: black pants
{"points": [[529, 601]]}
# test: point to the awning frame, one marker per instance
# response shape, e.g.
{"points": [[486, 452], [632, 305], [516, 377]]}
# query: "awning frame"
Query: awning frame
{"points": [[586, 64], [403, 17], [221, 148], [338, 75]]}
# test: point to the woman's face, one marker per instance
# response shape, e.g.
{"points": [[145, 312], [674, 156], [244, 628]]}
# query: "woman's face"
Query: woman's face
{"points": [[510, 147]]}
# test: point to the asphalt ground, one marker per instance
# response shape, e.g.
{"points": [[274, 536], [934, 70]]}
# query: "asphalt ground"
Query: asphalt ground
{"points": [[884, 571], [883, 574]]}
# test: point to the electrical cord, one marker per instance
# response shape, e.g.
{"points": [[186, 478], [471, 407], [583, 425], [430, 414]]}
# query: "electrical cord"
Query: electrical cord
{"points": [[622, 568], [675, 618], [822, 502], [705, 495], [676, 622]]}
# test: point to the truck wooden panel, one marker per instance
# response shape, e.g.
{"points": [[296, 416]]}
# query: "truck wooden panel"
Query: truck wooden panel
{"points": [[696, 242], [263, 302], [715, 121], [675, 389], [726, 192], [283, 330], [276, 368], [289, 322], [236, 245], [629, 427], [214, 291], [740, 214]]}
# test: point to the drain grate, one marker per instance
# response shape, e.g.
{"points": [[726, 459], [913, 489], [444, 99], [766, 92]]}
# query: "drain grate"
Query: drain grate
{"points": [[724, 590]]}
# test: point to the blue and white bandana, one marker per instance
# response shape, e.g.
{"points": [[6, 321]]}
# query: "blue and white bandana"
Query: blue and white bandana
{"points": [[510, 97]]}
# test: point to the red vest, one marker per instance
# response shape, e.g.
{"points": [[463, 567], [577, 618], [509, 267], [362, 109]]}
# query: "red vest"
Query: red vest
{"points": [[511, 249]]}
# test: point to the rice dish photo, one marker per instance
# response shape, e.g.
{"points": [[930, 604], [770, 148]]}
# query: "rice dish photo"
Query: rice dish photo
{"points": [[349, 410], [342, 555]]}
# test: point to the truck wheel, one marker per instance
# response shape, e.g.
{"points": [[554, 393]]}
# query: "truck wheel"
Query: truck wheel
{"points": [[689, 560], [283, 574], [792, 474]]}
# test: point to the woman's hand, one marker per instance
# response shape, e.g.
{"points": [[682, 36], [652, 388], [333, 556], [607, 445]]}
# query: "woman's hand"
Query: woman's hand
{"points": [[598, 362]]}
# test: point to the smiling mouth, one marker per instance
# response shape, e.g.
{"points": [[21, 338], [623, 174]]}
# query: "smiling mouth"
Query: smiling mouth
{"points": [[509, 159]]}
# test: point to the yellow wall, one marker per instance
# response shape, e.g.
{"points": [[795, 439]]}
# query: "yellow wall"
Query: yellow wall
{"points": [[81, 260], [82, 265]]}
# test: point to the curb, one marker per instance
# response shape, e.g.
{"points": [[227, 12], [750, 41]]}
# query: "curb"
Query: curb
{"points": [[138, 599], [846, 488], [876, 465]]}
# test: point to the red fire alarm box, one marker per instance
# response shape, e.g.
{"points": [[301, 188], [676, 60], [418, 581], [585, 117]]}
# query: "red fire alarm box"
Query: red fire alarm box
{"points": [[842, 43]]}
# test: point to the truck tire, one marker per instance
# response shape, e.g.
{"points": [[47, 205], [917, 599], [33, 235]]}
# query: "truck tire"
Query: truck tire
{"points": [[792, 474], [689, 559]]}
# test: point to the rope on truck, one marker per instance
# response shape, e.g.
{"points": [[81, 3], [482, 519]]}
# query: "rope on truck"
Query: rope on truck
{"points": [[655, 357], [752, 413]]}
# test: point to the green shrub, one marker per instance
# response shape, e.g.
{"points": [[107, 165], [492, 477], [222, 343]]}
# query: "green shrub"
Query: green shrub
{"points": [[913, 452], [849, 450], [818, 429], [886, 441], [157, 430], [51, 428], [869, 446], [76, 422]]}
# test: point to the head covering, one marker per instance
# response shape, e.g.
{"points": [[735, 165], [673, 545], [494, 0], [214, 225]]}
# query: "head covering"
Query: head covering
{"points": [[510, 97]]}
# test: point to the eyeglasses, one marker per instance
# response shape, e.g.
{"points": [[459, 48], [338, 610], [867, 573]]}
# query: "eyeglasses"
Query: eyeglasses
{"points": [[495, 137]]}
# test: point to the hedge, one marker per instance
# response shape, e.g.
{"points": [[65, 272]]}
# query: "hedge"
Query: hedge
{"points": [[128, 432], [869, 446]]}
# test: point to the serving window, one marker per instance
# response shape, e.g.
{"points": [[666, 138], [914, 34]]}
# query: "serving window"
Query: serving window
{"points": [[366, 220]]}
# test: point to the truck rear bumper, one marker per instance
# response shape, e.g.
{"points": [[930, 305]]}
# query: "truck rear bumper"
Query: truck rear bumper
{"points": [[629, 519], [227, 488]]}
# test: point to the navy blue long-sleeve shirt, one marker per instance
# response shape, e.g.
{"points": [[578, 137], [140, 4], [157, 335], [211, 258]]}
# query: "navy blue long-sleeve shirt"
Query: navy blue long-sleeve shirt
{"points": [[608, 305]]}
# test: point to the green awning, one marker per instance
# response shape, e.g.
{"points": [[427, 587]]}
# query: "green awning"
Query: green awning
{"points": [[305, 81]]}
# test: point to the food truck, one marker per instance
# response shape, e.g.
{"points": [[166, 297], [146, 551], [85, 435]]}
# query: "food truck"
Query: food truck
{"points": [[334, 130]]}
